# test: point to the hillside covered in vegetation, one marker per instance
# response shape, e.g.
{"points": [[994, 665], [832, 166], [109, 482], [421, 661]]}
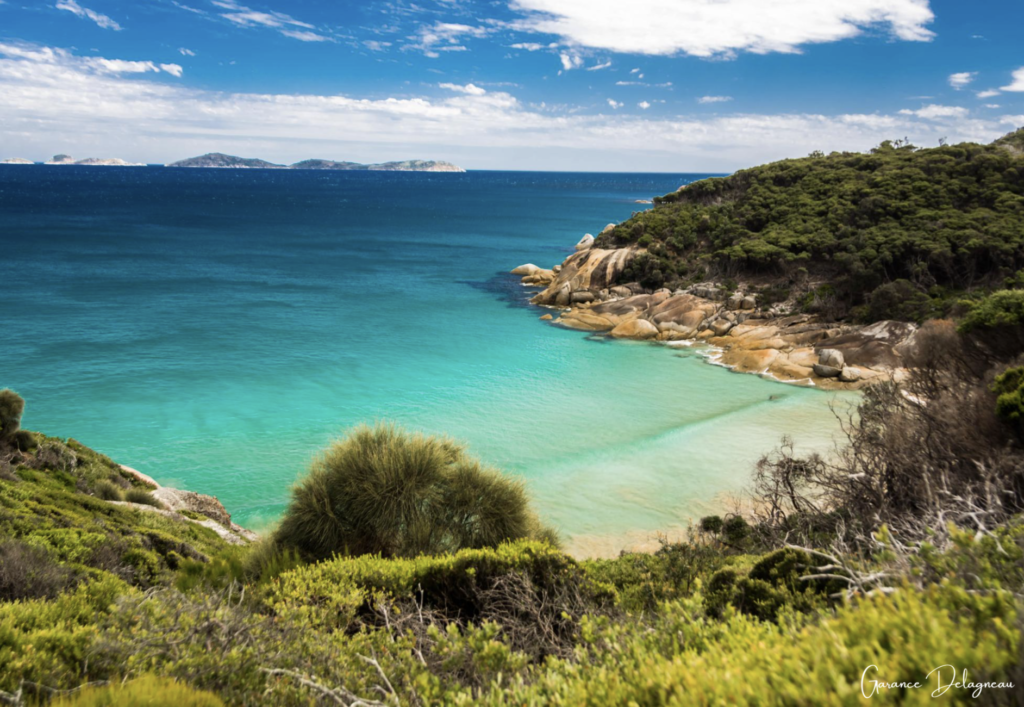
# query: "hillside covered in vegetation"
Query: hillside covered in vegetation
{"points": [[897, 233]]}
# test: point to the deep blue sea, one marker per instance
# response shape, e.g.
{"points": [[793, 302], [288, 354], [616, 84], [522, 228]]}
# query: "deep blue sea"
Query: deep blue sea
{"points": [[215, 328]]}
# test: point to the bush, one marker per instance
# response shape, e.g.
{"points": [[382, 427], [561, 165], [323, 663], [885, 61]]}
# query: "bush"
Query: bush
{"points": [[899, 300], [108, 491], [148, 691], [381, 490], [1004, 308], [11, 408], [140, 495], [28, 572]]}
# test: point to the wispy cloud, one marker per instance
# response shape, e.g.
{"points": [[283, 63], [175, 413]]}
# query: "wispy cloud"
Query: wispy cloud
{"points": [[598, 67], [935, 112], [959, 80], [84, 12], [720, 28], [443, 37], [285, 24], [186, 52], [614, 104], [468, 89], [643, 104], [714, 99], [989, 93]]}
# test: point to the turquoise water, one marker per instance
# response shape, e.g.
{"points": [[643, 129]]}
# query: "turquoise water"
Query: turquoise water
{"points": [[215, 328]]}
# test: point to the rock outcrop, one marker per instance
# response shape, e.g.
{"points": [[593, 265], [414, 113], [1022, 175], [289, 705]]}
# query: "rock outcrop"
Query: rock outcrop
{"points": [[177, 503], [802, 348]]}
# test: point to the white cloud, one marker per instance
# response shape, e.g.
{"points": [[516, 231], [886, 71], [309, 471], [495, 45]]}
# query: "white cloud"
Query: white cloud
{"points": [[375, 46], [1018, 81], [644, 104], [468, 89], [186, 52], [304, 36], [528, 46], [934, 112], [443, 37], [634, 71], [614, 104], [724, 27], [714, 99], [570, 61], [285, 24], [100, 19], [989, 93], [961, 79], [54, 100], [172, 69], [992, 105], [598, 67]]}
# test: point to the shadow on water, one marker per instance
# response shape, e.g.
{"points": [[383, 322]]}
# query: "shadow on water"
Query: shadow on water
{"points": [[507, 288]]}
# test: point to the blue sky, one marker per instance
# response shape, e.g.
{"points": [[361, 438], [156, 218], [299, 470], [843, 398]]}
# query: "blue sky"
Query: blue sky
{"points": [[637, 85]]}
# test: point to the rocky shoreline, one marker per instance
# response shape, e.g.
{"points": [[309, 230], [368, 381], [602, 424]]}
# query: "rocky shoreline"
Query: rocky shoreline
{"points": [[776, 342], [184, 505]]}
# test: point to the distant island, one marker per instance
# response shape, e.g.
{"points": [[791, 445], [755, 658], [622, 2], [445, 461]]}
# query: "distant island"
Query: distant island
{"points": [[222, 161]]}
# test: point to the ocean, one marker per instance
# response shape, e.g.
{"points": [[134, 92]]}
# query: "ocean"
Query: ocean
{"points": [[215, 328]]}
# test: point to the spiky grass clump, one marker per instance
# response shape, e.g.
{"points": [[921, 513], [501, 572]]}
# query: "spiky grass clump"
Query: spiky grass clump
{"points": [[11, 407], [139, 495], [108, 491], [383, 490]]}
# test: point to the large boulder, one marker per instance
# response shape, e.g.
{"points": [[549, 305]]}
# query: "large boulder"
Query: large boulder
{"points": [[721, 327], [591, 269], [610, 227], [635, 329], [620, 291], [527, 269], [735, 301], [823, 371], [749, 302], [581, 297], [833, 358], [585, 242]]}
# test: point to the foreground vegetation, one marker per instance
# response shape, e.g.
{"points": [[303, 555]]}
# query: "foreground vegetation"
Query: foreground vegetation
{"points": [[900, 233], [111, 605]]}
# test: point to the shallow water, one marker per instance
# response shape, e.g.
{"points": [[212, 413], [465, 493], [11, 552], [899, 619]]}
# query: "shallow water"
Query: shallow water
{"points": [[214, 328]]}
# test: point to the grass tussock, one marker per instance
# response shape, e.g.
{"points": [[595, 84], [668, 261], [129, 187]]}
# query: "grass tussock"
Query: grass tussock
{"points": [[383, 490]]}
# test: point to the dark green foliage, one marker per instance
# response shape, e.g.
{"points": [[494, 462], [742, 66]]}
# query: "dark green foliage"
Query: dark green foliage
{"points": [[381, 490], [711, 524], [1009, 386], [735, 531], [11, 408], [141, 495], [108, 491], [951, 216], [28, 572], [1000, 310], [898, 300]]}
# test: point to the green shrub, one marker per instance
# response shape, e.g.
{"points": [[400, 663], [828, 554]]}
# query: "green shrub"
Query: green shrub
{"points": [[11, 408], [899, 300], [108, 491], [141, 495], [28, 572], [1004, 308], [1009, 386], [381, 490], [148, 691]]}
